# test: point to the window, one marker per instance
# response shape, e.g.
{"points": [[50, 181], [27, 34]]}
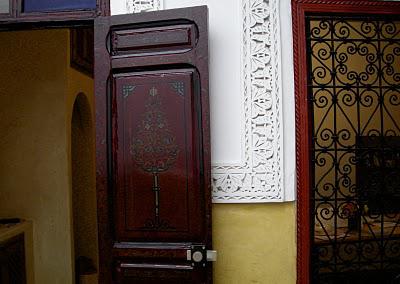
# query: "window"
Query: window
{"points": [[56, 5], [12, 11]]}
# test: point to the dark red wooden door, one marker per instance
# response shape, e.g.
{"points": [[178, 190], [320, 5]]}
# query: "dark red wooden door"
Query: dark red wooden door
{"points": [[153, 149]]}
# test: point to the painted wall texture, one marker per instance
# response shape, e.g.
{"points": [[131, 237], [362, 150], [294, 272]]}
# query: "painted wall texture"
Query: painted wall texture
{"points": [[255, 243], [34, 159], [36, 101]]}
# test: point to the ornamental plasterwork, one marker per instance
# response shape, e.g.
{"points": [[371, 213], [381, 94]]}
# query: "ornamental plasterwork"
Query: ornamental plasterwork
{"points": [[259, 177], [136, 6]]}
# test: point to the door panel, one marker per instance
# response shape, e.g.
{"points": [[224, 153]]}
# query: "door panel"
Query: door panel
{"points": [[153, 150], [169, 39], [157, 146]]}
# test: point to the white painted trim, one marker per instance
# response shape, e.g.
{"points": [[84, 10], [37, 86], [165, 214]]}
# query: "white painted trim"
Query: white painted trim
{"points": [[288, 101]]}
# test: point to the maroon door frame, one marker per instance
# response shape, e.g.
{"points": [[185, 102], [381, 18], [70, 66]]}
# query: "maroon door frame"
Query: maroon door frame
{"points": [[303, 119]]}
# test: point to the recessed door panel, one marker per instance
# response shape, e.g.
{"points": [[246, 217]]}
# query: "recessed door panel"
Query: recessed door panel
{"points": [[156, 146]]}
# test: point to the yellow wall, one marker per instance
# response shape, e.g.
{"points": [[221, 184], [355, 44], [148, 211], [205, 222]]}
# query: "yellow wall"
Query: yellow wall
{"points": [[36, 98], [256, 243], [34, 158]]}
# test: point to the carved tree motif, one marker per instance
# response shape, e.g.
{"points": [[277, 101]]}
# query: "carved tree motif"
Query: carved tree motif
{"points": [[154, 150]]}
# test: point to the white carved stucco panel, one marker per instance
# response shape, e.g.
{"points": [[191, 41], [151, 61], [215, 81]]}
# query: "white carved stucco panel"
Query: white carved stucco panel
{"points": [[136, 6], [254, 166]]}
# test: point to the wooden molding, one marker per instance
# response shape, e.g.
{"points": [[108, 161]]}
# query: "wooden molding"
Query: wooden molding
{"points": [[82, 50]]}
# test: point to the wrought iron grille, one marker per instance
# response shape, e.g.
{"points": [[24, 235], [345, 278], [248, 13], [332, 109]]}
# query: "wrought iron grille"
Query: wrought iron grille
{"points": [[354, 96]]}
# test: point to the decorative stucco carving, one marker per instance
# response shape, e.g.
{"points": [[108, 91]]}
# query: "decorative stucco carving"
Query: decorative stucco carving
{"points": [[136, 6], [259, 177]]}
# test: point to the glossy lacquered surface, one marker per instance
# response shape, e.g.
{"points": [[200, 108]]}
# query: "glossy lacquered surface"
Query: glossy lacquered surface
{"points": [[153, 148], [157, 148]]}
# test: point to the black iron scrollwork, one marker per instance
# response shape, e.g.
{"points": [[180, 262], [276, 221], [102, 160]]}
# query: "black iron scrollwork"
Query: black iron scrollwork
{"points": [[354, 94]]}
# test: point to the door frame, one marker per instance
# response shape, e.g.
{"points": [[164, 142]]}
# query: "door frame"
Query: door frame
{"points": [[54, 20], [303, 114]]}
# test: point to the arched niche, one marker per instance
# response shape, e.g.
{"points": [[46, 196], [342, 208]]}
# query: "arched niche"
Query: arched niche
{"points": [[84, 217]]}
